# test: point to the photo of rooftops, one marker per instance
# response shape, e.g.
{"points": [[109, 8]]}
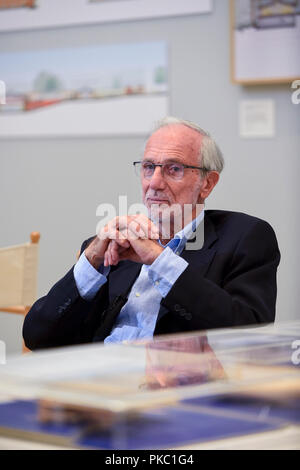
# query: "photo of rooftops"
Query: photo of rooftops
{"points": [[264, 14]]}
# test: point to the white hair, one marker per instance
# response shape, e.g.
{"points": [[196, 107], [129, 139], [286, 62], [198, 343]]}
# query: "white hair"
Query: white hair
{"points": [[210, 155]]}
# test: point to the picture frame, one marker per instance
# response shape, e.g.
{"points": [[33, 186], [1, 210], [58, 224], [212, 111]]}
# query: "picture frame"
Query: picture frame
{"points": [[264, 41]]}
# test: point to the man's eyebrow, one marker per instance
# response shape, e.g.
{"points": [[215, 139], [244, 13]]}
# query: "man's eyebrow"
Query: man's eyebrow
{"points": [[167, 160]]}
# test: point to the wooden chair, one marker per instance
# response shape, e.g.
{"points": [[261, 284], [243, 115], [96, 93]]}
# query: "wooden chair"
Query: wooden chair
{"points": [[18, 277]]}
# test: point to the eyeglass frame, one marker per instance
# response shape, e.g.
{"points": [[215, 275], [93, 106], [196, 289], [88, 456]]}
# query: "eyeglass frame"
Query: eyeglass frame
{"points": [[163, 164]]}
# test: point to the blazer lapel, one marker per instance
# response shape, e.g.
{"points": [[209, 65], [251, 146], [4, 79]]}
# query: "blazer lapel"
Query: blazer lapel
{"points": [[201, 258], [122, 279]]}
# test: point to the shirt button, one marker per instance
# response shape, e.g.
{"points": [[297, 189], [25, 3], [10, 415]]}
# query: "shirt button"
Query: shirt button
{"points": [[137, 294], [156, 283]]}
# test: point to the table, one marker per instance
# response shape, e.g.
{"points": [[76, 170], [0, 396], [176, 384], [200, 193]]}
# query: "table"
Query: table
{"points": [[222, 389]]}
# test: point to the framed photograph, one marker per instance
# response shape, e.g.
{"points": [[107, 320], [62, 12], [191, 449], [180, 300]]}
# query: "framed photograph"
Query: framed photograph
{"points": [[265, 41], [118, 89]]}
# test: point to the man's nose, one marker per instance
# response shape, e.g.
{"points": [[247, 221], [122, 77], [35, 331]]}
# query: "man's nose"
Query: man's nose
{"points": [[157, 180]]}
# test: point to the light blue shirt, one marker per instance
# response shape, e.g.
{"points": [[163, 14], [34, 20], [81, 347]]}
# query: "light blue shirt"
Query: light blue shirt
{"points": [[137, 318]]}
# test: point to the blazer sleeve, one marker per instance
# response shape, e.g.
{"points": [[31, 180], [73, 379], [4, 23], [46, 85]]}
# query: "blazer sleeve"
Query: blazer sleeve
{"points": [[247, 294], [60, 317]]}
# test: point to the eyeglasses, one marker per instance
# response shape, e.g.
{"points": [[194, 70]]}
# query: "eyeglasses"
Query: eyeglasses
{"points": [[172, 170]]}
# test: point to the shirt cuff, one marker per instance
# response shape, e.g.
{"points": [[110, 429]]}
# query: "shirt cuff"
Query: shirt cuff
{"points": [[88, 279], [165, 271]]}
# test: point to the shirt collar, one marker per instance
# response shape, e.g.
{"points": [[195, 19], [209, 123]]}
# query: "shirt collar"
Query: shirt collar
{"points": [[177, 243]]}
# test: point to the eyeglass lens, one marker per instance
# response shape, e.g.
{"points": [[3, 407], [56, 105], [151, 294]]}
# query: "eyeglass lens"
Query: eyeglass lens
{"points": [[172, 170]]}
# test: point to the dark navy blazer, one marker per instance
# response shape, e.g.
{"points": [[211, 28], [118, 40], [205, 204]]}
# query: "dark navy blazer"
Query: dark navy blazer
{"points": [[230, 281]]}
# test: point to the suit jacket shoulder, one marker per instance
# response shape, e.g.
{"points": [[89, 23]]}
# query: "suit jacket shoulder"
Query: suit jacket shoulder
{"points": [[230, 226]]}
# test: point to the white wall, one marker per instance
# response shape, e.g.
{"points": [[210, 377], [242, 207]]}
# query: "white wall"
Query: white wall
{"points": [[55, 185]]}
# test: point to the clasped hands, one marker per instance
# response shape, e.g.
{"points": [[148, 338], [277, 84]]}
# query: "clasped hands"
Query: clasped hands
{"points": [[133, 238]]}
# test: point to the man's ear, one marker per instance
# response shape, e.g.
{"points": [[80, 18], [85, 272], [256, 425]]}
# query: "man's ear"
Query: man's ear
{"points": [[209, 182]]}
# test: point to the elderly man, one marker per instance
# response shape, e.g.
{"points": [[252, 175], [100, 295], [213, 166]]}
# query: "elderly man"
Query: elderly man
{"points": [[143, 276]]}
